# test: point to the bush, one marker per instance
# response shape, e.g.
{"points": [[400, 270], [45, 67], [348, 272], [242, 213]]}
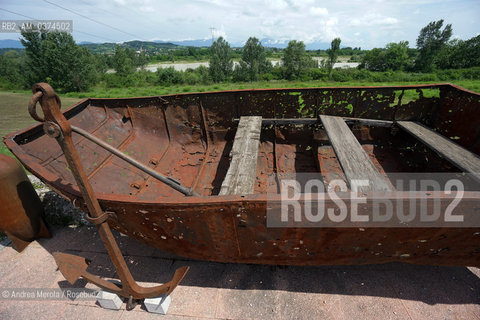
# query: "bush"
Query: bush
{"points": [[278, 72], [192, 78], [113, 80], [241, 72], [8, 85], [204, 74], [169, 76], [459, 74], [318, 74], [266, 76], [427, 77], [471, 73], [340, 75], [451, 74]]}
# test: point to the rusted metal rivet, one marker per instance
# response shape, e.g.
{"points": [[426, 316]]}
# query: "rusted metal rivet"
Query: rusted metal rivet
{"points": [[51, 129], [135, 185]]}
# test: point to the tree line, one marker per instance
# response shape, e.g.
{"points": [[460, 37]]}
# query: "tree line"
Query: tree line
{"points": [[55, 58], [435, 51]]}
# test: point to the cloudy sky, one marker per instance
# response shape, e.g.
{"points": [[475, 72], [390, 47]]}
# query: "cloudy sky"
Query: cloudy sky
{"points": [[367, 24]]}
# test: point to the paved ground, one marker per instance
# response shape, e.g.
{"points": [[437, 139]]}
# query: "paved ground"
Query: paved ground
{"points": [[219, 291]]}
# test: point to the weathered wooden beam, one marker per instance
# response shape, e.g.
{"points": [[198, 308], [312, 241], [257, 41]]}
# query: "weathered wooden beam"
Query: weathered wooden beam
{"points": [[354, 160], [307, 121], [370, 122], [241, 174], [454, 153]]}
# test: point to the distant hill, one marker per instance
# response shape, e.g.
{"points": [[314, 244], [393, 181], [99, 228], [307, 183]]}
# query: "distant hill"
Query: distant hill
{"points": [[195, 43], [266, 42], [107, 47], [146, 46], [282, 44], [136, 44], [4, 50], [9, 43], [153, 47]]}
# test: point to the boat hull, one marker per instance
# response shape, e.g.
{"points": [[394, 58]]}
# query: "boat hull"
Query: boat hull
{"points": [[190, 139]]}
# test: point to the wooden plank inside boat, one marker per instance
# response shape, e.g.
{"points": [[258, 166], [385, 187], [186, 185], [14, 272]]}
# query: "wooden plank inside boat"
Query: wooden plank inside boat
{"points": [[455, 154], [310, 121], [240, 177], [354, 160]]}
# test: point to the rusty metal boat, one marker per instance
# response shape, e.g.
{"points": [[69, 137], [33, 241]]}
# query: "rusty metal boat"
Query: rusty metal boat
{"points": [[188, 173]]}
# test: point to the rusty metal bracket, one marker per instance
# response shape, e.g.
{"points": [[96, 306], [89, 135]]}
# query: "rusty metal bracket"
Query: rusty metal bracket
{"points": [[72, 267], [98, 220]]}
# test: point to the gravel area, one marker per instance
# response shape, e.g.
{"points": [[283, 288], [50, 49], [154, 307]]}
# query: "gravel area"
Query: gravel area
{"points": [[58, 210]]}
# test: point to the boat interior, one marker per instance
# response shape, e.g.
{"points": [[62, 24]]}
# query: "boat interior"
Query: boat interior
{"points": [[233, 143]]}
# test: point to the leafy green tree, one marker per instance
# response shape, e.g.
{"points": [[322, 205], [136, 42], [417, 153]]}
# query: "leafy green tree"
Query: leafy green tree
{"points": [[204, 74], [141, 60], [221, 63], [255, 59], [10, 67], [333, 54], [124, 61], [54, 57], [102, 63], [296, 61], [241, 72], [35, 60], [374, 60], [460, 54], [396, 55], [430, 42], [470, 52], [393, 57]]}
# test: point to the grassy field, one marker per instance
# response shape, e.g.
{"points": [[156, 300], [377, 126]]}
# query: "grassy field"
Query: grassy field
{"points": [[13, 105], [161, 90], [14, 113], [102, 92]]}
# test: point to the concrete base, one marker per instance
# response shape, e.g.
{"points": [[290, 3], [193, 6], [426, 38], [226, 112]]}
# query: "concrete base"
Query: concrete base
{"points": [[158, 305], [108, 300]]}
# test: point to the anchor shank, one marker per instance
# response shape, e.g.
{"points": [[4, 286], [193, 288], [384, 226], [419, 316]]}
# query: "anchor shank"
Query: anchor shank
{"points": [[57, 126]]}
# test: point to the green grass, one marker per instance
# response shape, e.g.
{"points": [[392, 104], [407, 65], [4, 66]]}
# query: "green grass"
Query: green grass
{"points": [[14, 113], [4, 150], [101, 92]]}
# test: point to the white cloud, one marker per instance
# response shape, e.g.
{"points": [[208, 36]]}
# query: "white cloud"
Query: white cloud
{"points": [[373, 20], [219, 32], [332, 22], [277, 4], [317, 11], [146, 6], [301, 3]]}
